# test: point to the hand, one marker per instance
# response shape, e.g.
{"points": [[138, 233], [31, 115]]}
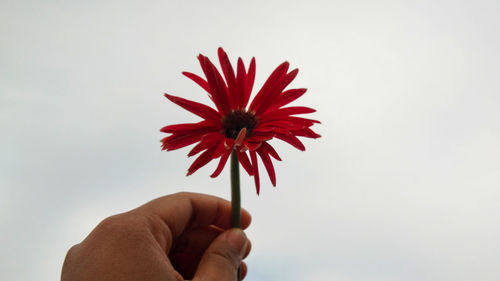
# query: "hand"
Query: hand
{"points": [[175, 237]]}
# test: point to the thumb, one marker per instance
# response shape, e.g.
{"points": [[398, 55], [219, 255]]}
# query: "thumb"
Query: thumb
{"points": [[223, 257]]}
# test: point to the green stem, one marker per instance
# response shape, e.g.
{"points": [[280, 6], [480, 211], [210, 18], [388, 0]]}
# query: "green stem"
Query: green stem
{"points": [[235, 191], [235, 196]]}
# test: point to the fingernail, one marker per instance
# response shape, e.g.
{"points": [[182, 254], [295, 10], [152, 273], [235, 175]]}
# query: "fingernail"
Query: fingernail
{"points": [[238, 241]]}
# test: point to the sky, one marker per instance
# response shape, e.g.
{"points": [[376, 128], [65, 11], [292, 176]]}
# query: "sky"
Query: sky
{"points": [[404, 183]]}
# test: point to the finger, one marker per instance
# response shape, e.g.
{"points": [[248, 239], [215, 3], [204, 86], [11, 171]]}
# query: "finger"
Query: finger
{"points": [[183, 210], [244, 270], [248, 249], [190, 247], [196, 240], [185, 264], [223, 257], [243, 266]]}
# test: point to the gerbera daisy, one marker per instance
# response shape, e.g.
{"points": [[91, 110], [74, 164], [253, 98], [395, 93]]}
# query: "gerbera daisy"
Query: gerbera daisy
{"points": [[233, 124]]}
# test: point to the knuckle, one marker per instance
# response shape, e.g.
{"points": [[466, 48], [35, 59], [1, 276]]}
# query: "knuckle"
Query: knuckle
{"points": [[111, 222], [121, 223], [69, 261], [183, 194], [72, 251], [226, 257]]}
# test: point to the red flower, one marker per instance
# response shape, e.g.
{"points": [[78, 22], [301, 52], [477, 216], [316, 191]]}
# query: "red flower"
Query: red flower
{"points": [[234, 125]]}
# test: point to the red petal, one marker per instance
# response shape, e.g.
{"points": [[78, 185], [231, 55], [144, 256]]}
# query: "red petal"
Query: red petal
{"points": [[275, 91], [207, 140], [240, 81], [198, 80], [190, 128], [306, 132], [269, 165], [228, 143], [252, 146], [178, 141], [200, 147], [288, 96], [285, 112], [295, 142], [227, 69], [277, 74], [249, 80], [255, 166], [202, 160], [216, 84], [268, 126], [199, 109], [299, 120], [263, 129], [270, 150], [245, 162], [221, 164], [221, 149], [260, 136], [282, 131]]}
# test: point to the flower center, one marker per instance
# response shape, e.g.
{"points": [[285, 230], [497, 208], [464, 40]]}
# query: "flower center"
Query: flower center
{"points": [[237, 120]]}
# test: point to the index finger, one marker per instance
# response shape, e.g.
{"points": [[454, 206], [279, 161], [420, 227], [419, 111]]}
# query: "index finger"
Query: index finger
{"points": [[186, 210]]}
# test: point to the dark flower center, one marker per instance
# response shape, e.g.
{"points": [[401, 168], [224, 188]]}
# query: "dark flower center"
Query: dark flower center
{"points": [[237, 120]]}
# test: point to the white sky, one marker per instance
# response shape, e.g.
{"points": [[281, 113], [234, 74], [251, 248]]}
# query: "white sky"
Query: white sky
{"points": [[403, 185]]}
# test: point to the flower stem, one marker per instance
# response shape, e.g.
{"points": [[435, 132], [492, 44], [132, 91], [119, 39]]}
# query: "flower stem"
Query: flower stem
{"points": [[235, 196], [235, 191]]}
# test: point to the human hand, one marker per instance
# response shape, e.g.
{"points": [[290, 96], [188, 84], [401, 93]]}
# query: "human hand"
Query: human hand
{"points": [[175, 237]]}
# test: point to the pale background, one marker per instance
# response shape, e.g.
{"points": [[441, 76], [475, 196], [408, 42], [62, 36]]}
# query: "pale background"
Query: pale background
{"points": [[403, 185]]}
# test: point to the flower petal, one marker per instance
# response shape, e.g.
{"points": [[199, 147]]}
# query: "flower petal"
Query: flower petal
{"points": [[221, 165], [261, 136], [216, 84], [275, 91], [178, 141], [268, 126], [206, 141], [199, 109], [263, 129], [241, 77], [202, 160], [299, 120], [285, 112], [198, 80], [306, 132], [249, 80], [282, 131], [288, 96], [255, 167], [268, 164], [277, 74], [252, 146], [294, 141], [227, 69], [228, 143], [245, 162], [189, 128], [270, 150], [221, 149]]}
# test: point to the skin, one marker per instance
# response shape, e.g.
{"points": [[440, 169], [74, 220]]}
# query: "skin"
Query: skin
{"points": [[175, 237]]}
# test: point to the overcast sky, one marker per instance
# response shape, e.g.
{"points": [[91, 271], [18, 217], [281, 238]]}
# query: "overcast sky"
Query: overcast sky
{"points": [[403, 185]]}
